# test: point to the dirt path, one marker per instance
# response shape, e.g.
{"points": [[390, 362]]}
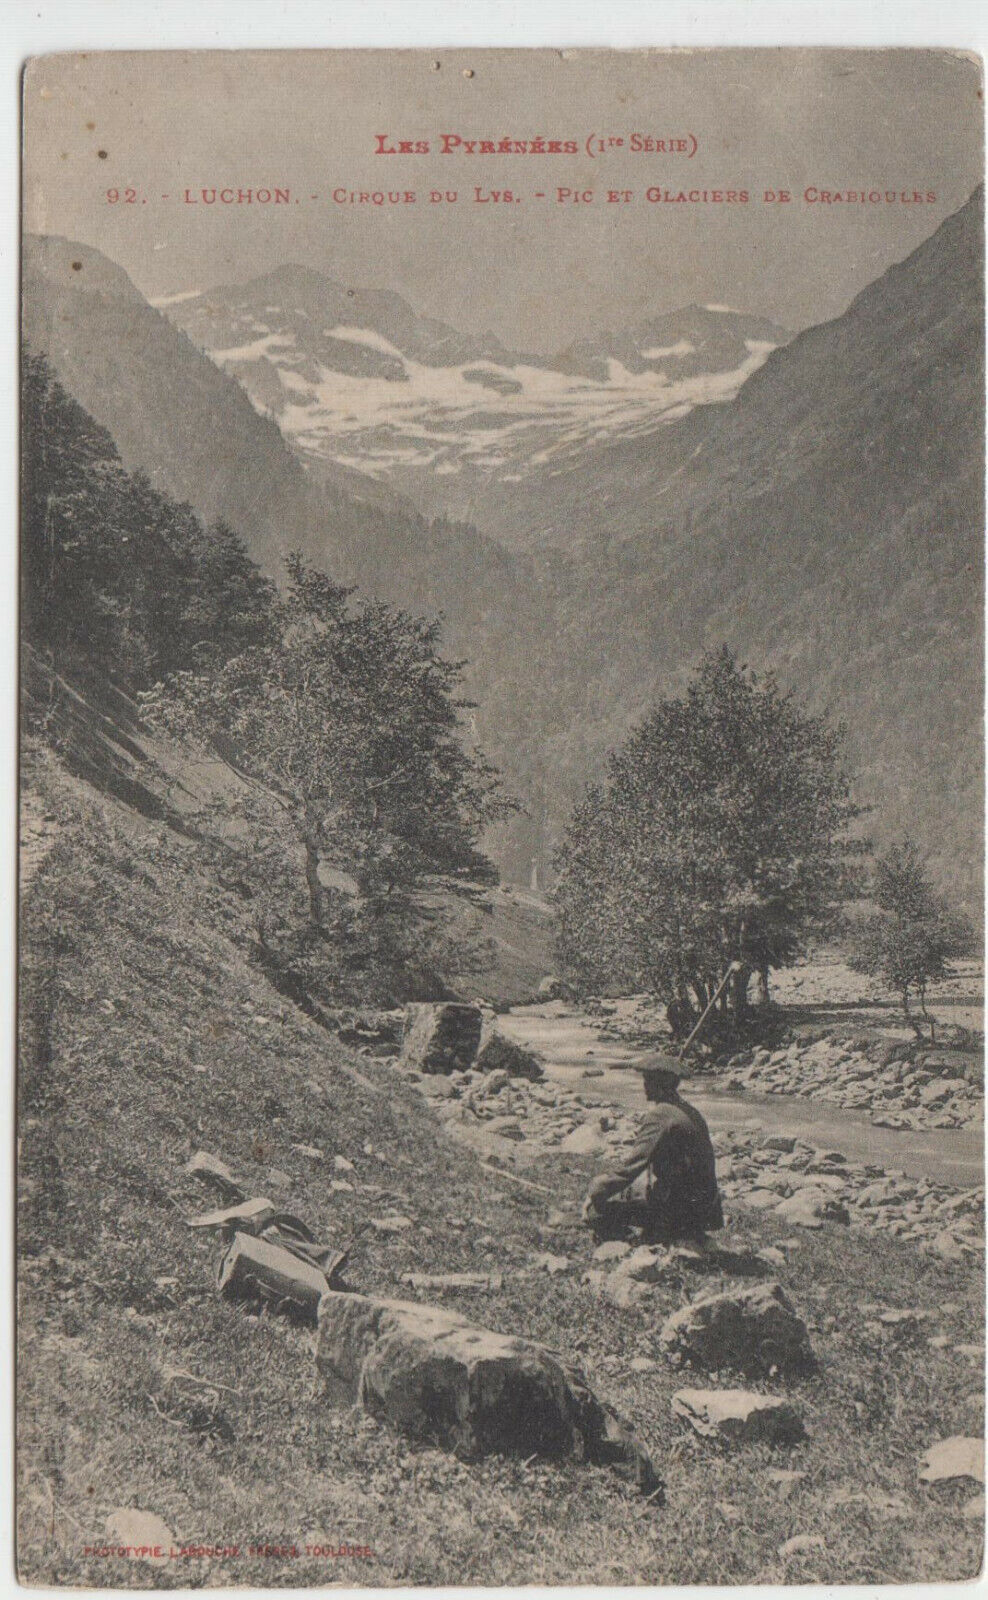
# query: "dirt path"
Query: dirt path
{"points": [[571, 1043]]}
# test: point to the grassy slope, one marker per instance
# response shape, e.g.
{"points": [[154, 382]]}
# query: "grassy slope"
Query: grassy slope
{"points": [[164, 1039]]}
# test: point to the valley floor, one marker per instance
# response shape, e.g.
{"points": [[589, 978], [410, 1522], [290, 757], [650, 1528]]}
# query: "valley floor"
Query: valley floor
{"points": [[148, 1035]]}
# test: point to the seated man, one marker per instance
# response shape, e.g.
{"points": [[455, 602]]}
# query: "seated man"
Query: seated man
{"points": [[674, 1152]]}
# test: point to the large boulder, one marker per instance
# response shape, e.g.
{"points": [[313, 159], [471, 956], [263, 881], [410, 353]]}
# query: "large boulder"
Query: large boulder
{"points": [[497, 1053], [752, 1329], [441, 1038], [435, 1376]]}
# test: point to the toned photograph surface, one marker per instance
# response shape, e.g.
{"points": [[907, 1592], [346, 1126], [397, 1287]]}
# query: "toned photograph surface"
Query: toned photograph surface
{"points": [[500, 1071]]}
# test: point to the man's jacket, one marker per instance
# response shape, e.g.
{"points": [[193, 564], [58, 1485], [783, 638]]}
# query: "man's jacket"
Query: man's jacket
{"points": [[673, 1145]]}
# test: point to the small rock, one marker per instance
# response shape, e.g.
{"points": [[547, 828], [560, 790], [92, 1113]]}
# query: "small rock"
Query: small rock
{"points": [[738, 1414], [584, 1140], [945, 1245], [342, 1164], [886, 1505], [624, 1293], [611, 1250], [308, 1150], [785, 1480], [647, 1264], [453, 1280], [643, 1364], [811, 1208], [545, 1261], [957, 1457], [388, 1225], [505, 1128], [974, 1509], [773, 1256], [437, 1088], [803, 1544], [207, 1165]]}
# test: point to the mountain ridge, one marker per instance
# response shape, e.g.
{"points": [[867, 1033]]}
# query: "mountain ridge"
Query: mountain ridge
{"points": [[357, 379]]}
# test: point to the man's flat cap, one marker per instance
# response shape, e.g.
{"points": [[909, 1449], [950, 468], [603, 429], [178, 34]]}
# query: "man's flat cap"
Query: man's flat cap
{"points": [[657, 1064]]}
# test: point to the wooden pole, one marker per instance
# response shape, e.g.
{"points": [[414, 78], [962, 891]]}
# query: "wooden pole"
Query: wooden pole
{"points": [[735, 966]]}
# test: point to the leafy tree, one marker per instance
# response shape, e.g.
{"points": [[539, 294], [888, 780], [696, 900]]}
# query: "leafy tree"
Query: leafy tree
{"points": [[912, 936], [115, 576], [720, 834], [359, 809]]}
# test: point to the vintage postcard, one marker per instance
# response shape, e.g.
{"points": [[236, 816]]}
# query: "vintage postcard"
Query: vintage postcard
{"points": [[500, 1090]]}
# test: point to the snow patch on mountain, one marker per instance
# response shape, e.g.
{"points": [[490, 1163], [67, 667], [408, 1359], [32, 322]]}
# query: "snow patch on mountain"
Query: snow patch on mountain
{"points": [[357, 380], [683, 347], [376, 424]]}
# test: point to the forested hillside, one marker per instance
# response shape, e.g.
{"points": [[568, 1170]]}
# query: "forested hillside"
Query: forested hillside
{"points": [[348, 797]]}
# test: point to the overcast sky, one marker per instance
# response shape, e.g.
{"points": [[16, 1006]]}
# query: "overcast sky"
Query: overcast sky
{"points": [[536, 273]]}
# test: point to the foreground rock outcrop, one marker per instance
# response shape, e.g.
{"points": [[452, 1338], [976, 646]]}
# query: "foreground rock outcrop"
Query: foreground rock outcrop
{"points": [[435, 1376]]}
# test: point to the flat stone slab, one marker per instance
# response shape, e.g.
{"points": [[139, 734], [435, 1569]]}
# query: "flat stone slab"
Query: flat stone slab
{"points": [[432, 1374], [811, 1207], [453, 1280], [957, 1457], [738, 1415]]}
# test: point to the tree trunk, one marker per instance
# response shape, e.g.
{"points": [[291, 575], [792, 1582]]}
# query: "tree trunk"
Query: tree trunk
{"points": [[738, 995], [930, 1020], [917, 1027], [761, 987]]}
